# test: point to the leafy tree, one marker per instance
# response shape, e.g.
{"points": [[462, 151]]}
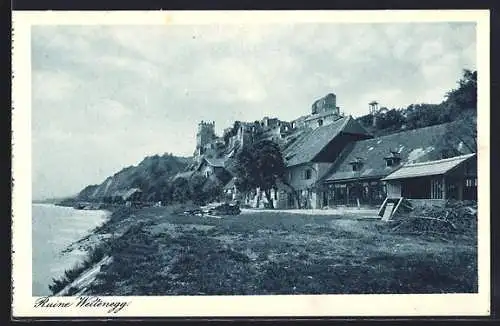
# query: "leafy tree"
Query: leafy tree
{"points": [[212, 190], [423, 115], [198, 195], [464, 97], [464, 132], [180, 191], [261, 165], [390, 119]]}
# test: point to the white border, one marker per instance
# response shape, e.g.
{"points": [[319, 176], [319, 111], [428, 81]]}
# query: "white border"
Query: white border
{"points": [[302, 305]]}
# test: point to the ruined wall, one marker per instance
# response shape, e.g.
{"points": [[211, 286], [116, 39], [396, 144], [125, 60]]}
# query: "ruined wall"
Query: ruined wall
{"points": [[324, 104]]}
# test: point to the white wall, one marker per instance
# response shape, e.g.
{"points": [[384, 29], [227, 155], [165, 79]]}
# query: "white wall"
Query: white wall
{"points": [[394, 188]]}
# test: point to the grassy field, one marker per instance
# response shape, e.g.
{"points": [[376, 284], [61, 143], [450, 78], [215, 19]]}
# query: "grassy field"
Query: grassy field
{"points": [[158, 252]]}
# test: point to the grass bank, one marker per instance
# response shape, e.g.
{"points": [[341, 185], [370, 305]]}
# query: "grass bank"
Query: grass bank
{"points": [[158, 252]]}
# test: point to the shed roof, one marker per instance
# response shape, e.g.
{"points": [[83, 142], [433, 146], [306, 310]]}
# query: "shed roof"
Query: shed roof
{"points": [[437, 167], [413, 146]]}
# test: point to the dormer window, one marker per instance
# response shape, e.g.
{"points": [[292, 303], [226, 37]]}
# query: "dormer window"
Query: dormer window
{"points": [[393, 159], [357, 164]]}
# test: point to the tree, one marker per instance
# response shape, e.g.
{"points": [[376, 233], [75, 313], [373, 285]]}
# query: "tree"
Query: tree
{"points": [[180, 191], [465, 96], [462, 133], [196, 189], [259, 166]]}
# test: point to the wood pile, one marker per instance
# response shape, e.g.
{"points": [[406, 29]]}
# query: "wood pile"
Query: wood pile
{"points": [[454, 217]]}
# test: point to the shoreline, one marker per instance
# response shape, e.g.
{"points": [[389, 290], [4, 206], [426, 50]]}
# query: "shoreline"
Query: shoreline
{"points": [[95, 244], [87, 244]]}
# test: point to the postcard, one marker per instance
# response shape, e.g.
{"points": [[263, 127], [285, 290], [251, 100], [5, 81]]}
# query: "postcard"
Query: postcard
{"points": [[250, 163]]}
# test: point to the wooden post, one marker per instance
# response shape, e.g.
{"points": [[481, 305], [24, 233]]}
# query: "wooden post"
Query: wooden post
{"points": [[347, 194], [382, 206], [461, 188], [444, 187]]}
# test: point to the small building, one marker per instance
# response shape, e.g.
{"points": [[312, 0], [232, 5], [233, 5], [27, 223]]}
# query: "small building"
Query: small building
{"points": [[183, 175], [209, 166], [451, 178], [215, 171], [125, 196]]}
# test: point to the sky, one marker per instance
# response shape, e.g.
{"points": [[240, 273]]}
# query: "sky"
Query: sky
{"points": [[104, 97]]}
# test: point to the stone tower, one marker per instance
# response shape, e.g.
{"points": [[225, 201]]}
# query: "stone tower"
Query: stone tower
{"points": [[205, 135], [328, 103]]}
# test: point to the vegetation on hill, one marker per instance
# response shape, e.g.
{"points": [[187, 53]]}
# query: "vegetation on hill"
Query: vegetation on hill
{"points": [[458, 104], [152, 175]]}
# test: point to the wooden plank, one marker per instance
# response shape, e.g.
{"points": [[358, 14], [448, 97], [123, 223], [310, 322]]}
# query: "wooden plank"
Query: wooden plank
{"points": [[397, 206], [388, 212], [382, 206]]}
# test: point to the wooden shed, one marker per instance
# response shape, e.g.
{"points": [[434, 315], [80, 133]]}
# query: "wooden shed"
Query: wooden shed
{"points": [[451, 178]]}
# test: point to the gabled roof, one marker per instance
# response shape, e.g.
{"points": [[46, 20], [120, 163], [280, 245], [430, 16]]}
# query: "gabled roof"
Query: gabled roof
{"points": [[313, 141], [413, 146], [185, 175], [230, 184], [130, 192], [216, 162], [126, 193], [437, 167]]}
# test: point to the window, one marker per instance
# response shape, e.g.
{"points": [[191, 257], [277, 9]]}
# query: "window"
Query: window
{"points": [[436, 189], [392, 161], [356, 164], [307, 174], [471, 182], [320, 122]]}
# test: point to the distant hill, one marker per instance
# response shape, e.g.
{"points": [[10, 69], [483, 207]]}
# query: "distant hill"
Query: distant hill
{"points": [[152, 176]]}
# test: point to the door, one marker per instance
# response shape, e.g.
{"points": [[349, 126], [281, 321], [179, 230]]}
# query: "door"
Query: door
{"points": [[325, 198]]}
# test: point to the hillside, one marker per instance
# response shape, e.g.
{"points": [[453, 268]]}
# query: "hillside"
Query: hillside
{"points": [[151, 175], [458, 104]]}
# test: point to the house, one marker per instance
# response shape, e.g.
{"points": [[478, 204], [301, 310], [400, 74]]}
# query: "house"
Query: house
{"points": [[359, 172], [215, 171], [184, 175], [310, 156], [127, 195], [450, 178], [209, 166]]}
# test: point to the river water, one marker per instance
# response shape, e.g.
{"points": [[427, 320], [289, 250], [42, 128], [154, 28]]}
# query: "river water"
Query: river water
{"points": [[54, 228]]}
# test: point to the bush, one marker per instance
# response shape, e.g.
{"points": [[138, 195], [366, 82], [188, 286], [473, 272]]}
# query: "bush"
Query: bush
{"points": [[95, 255]]}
